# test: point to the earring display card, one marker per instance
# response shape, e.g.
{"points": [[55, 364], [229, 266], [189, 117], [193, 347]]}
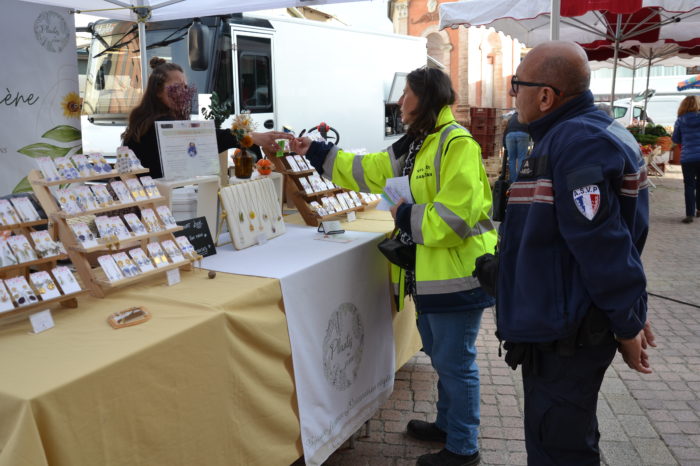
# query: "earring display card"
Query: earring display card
{"points": [[150, 186], [293, 166], [122, 191], [172, 251], [329, 183], [141, 259], [306, 185], [166, 216], [99, 164], [67, 200], [126, 265], [44, 285], [5, 299], [66, 168], [252, 210], [45, 245], [328, 205], [48, 169], [316, 207], [110, 268], [66, 279], [7, 257], [8, 215], [317, 183], [355, 198], [148, 217], [84, 234], [127, 160], [302, 162], [137, 191], [85, 199], [20, 291], [119, 228], [105, 227], [157, 254], [343, 203], [104, 198], [186, 247], [22, 249], [25, 209], [84, 166], [135, 224]]}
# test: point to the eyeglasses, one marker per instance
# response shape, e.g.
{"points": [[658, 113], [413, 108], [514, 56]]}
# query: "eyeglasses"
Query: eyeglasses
{"points": [[515, 83]]}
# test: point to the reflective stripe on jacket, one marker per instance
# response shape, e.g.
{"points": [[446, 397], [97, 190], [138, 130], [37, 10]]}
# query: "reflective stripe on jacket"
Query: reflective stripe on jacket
{"points": [[450, 221]]}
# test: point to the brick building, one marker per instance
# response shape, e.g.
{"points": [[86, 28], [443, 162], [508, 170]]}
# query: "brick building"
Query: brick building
{"points": [[480, 61]]}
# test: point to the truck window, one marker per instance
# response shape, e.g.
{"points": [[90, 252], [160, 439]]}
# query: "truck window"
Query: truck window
{"points": [[254, 74]]}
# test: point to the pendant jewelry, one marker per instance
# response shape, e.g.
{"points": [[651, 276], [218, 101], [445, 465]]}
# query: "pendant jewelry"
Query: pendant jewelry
{"points": [[50, 285]]}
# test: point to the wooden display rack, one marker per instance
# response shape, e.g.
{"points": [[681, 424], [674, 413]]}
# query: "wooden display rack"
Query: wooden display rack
{"points": [[301, 198], [45, 263], [94, 278]]}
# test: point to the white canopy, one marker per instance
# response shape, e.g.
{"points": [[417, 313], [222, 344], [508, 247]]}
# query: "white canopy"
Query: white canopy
{"points": [[162, 10]]}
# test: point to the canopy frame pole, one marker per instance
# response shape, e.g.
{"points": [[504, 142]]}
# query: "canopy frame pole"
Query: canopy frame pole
{"points": [[617, 49], [554, 19]]}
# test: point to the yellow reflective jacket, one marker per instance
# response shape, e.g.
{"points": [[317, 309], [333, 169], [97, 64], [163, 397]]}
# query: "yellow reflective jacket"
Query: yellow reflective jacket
{"points": [[450, 221]]}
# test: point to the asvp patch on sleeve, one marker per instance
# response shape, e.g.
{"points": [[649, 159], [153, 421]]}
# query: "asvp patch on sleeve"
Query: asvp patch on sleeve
{"points": [[587, 200]]}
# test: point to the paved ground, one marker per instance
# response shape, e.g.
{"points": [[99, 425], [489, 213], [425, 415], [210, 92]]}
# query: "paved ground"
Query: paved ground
{"points": [[644, 419]]}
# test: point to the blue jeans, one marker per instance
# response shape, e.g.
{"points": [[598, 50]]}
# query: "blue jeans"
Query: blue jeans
{"points": [[517, 144], [691, 183], [449, 339]]}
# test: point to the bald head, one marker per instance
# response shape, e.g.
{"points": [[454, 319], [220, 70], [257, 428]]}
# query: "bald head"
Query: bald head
{"points": [[564, 65]]}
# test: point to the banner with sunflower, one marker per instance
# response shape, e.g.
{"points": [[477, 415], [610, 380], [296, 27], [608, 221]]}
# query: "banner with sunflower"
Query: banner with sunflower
{"points": [[39, 101]]}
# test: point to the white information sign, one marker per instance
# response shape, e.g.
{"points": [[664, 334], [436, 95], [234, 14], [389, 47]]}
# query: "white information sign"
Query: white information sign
{"points": [[187, 148]]}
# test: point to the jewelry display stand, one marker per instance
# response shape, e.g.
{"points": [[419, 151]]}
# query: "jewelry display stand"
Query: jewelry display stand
{"points": [[252, 212], [94, 278], [22, 269], [302, 200]]}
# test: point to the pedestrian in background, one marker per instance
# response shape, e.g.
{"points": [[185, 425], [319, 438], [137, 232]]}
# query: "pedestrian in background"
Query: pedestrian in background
{"points": [[571, 289], [516, 139], [449, 224], [687, 133]]}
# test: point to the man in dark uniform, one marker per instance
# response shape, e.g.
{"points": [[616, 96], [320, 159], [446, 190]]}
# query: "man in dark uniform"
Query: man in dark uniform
{"points": [[571, 289]]}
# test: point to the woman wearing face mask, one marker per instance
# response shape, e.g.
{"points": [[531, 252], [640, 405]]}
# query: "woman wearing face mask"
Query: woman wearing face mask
{"points": [[449, 225], [158, 104]]}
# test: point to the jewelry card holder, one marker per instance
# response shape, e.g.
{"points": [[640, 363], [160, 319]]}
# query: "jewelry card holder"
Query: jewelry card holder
{"points": [[32, 302], [252, 212], [297, 186], [92, 275]]}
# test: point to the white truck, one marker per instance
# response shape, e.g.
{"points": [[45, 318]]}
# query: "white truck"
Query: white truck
{"points": [[285, 71]]}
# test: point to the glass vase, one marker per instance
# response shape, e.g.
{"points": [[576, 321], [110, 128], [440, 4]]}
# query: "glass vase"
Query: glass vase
{"points": [[244, 162]]}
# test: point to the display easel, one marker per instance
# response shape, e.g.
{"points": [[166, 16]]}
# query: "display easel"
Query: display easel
{"points": [[301, 199], [45, 263], [93, 277]]}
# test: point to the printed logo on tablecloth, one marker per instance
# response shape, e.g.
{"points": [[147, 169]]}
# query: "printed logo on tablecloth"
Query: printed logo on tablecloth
{"points": [[587, 200], [51, 31], [342, 346]]}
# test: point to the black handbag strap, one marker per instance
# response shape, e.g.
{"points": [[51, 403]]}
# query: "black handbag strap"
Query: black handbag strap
{"points": [[504, 165]]}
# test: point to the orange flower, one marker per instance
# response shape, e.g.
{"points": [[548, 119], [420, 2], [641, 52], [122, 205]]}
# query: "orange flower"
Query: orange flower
{"points": [[246, 141], [264, 166], [71, 105]]}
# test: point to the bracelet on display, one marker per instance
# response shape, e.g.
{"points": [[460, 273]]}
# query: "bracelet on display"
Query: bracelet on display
{"points": [[129, 317]]}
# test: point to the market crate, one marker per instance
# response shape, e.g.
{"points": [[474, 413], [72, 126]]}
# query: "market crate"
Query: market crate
{"points": [[479, 120], [489, 112], [486, 139], [482, 129]]}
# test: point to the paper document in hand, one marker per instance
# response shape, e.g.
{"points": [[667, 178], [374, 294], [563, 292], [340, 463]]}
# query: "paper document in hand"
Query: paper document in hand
{"points": [[397, 188]]}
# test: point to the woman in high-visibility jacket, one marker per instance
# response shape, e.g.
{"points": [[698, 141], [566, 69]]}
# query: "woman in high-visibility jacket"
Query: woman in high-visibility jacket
{"points": [[448, 221]]}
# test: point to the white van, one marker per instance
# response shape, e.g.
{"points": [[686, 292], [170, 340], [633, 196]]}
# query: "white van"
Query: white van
{"points": [[661, 109], [285, 71]]}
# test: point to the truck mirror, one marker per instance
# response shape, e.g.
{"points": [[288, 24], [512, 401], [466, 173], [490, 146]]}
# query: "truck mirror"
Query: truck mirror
{"points": [[197, 37]]}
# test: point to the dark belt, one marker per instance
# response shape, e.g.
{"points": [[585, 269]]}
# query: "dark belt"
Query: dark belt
{"points": [[593, 330]]}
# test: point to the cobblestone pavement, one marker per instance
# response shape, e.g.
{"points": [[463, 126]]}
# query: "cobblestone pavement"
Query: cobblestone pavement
{"points": [[644, 419]]}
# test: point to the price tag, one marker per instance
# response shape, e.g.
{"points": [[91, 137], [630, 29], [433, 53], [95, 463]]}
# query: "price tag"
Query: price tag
{"points": [[173, 277], [41, 321], [351, 216]]}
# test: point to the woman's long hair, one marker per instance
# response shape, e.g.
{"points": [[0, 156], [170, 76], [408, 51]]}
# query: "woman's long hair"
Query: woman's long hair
{"points": [[688, 105], [151, 108], [434, 90]]}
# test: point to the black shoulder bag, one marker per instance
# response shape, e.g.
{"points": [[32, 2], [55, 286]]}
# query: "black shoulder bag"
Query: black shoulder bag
{"points": [[398, 253]]}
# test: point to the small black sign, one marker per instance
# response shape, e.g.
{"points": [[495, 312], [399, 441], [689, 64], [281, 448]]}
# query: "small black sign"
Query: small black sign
{"points": [[197, 231]]}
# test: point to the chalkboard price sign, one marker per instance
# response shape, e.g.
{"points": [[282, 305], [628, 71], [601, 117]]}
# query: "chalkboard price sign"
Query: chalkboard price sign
{"points": [[197, 231]]}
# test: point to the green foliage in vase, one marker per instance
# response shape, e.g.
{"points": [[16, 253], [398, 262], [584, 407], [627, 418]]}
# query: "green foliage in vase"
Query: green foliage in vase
{"points": [[218, 111]]}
